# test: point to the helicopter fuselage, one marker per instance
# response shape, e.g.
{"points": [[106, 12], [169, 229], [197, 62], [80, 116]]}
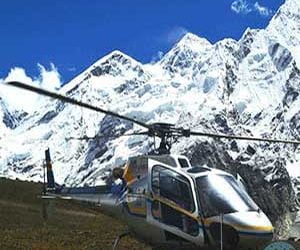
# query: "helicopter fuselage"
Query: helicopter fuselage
{"points": [[168, 201]]}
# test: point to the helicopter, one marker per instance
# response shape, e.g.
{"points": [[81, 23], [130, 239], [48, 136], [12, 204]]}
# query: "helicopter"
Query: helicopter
{"points": [[164, 200]]}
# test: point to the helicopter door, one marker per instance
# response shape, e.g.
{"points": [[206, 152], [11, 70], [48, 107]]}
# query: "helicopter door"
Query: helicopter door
{"points": [[172, 205]]}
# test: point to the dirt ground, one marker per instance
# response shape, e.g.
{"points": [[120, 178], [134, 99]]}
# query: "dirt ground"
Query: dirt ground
{"points": [[67, 225], [28, 222]]}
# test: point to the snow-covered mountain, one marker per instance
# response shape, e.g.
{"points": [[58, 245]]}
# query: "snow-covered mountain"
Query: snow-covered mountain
{"points": [[6, 120], [246, 87], [9, 119]]}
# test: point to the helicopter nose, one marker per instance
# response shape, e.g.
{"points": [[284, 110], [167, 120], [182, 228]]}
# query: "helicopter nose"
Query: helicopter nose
{"points": [[241, 230], [254, 228]]}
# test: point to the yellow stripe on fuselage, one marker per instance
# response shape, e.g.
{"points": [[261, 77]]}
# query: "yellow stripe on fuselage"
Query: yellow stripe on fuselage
{"points": [[176, 207], [137, 210], [239, 227], [207, 222], [253, 228]]}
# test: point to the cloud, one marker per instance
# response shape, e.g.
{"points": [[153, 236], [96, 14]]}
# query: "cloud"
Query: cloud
{"points": [[264, 11], [25, 100], [72, 69], [241, 7], [244, 8], [157, 57], [49, 79], [175, 34]]}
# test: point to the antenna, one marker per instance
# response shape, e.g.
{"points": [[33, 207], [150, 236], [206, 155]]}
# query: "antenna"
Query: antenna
{"points": [[44, 177]]}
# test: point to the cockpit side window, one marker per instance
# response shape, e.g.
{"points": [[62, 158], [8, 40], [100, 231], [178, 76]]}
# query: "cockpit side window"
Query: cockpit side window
{"points": [[172, 186], [221, 194]]}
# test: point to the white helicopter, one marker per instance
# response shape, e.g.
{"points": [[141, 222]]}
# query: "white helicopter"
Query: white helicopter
{"points": [[165, 200]]}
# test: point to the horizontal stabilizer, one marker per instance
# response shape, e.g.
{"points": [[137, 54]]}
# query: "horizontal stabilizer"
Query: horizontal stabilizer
{"points": [[55, 197]]}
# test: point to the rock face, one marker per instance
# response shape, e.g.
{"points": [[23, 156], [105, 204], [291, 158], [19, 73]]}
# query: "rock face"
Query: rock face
{"points": [[9, 119], [248, 87]]}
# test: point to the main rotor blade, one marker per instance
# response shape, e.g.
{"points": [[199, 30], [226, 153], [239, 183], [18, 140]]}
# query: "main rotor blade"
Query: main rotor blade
{"points": [[245, 138], [137, 133], [72, 101], [83, 138], [86, 138]]}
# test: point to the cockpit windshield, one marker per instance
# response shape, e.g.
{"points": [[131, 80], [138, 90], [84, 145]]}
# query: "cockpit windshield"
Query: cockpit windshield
{"points": [[222, 194]]}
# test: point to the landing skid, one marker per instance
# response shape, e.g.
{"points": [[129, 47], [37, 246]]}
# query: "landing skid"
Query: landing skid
{"points": [[118, 239]]}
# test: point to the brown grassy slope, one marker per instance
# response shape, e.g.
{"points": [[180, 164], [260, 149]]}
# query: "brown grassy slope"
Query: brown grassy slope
{"points": [[69, 225]]}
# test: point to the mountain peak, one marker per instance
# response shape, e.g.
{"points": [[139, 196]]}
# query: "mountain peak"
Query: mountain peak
{"points": [[284, 26], [192, 39], [115, 54], [249, 32], [292, 3], [185, 54], [290, 8], [114, 63]]}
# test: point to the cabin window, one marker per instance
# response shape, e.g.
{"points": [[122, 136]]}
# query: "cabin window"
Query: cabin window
{"points": [[172, 186], [174, 197], [183, 163], [172, 217]]}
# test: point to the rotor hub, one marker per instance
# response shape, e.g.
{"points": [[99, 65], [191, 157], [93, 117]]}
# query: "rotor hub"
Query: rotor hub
{"points": [[168, 134]]}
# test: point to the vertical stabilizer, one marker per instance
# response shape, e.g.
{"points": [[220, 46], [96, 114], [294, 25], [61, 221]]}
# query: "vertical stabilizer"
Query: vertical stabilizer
{"points": [[50, 176]]}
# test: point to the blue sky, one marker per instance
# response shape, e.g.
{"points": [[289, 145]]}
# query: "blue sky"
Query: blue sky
{"points": [[73, 34]]}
